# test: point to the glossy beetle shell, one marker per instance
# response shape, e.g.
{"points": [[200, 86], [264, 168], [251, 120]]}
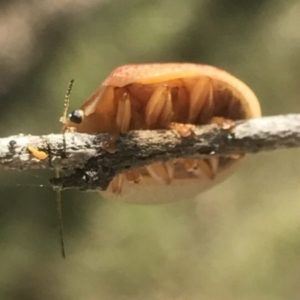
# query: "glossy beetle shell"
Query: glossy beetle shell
{"points": [[152, 96]]}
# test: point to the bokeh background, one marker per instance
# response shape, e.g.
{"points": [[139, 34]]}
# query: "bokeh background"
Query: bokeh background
{"points": [[240, 240]]}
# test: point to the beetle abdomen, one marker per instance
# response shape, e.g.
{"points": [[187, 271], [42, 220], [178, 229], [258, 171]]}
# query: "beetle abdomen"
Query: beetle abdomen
{"points": [[190, 94]]}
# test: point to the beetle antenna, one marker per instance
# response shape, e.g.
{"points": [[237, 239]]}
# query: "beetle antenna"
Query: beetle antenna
{"points": [[63, 120], [59, 215], [64, 117]]}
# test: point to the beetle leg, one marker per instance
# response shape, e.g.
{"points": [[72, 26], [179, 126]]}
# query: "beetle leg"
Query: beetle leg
{"points": [[224, 123], [200, 167], [199, 93], [203, 168], [208, 107], [123, 113], [159, 110], [117, 183], [133, 176], [214, 163], [184, 130], [170, 167], [109, 145], [190, 164], [167, 112], [123, 118], [156, 104], [162, 172]]}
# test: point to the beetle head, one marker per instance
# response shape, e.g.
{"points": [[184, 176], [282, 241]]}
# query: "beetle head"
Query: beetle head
{"points": [[76, 116]]}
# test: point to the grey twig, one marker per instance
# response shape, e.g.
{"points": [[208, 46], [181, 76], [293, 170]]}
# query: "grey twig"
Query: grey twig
{"points": [[88, 165]]}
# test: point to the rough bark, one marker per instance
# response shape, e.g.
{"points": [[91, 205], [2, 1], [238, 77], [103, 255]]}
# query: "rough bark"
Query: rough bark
{"points": [[87, 164]]}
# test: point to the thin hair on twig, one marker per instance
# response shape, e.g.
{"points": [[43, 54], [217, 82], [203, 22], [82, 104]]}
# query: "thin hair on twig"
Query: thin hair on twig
{"points": [[63, 120]]}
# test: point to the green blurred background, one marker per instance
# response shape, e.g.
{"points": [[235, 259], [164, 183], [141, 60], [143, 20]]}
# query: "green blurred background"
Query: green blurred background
{"points": [[240, 240]]}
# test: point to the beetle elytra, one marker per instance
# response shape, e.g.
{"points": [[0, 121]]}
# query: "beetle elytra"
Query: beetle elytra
{"points": [[156, 96]]}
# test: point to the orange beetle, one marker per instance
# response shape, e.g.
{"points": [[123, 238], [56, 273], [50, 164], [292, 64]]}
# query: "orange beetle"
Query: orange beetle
{"points": [[156, 96]]}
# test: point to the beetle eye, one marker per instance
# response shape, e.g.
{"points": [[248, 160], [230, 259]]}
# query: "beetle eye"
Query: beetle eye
{"points": [[76, 116]]}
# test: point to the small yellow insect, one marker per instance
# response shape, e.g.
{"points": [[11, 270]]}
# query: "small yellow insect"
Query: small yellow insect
{"points": [[41, 155], [160, 96]]}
